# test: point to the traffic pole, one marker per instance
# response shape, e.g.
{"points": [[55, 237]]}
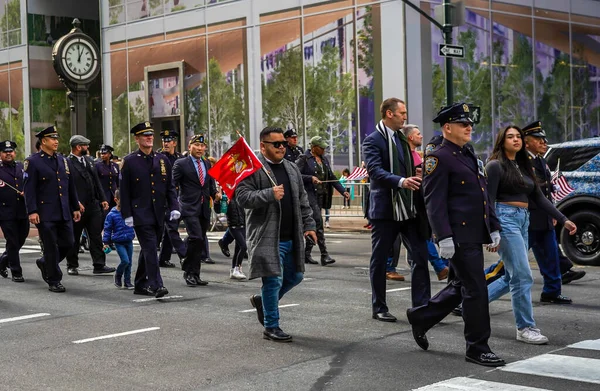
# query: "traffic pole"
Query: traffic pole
{"points": [[447, 31]]}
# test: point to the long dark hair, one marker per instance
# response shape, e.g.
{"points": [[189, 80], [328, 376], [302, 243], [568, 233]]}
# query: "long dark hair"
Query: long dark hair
{"points": [[511, 176]]}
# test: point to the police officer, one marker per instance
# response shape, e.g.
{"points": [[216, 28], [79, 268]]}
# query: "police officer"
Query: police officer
{"points": [[292, 150], [542, 238], [13, 215], [108, 172], [52, 204], [146, 190], [170, 237], [462, 220], [93, 202]]}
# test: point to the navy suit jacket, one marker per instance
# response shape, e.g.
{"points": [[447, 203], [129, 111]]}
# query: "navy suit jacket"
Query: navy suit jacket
{"points": [[538, 219], [194, 197], [109, 179], [12, 205]]}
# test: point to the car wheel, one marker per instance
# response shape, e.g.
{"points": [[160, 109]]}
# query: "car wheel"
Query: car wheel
{"points": [[583, 248]]}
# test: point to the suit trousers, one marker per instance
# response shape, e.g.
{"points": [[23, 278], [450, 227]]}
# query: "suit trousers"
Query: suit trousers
{"points": [[196, 227], [384, 233], [92, 222], [15, 232], [468, 287], [320, 231], [148, 272], [170, 240], [57, 240]]}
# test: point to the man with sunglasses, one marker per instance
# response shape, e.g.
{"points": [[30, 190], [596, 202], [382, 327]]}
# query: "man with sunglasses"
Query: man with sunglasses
{"points": [[292, 149], [319, 182]]}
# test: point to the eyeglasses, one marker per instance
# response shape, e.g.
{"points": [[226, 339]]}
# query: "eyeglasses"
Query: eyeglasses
{"points": [[277, 144]]}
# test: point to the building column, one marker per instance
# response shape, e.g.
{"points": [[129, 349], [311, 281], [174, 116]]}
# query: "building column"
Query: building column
{"points": [[25, 81], [107, 132], [252, 77]]}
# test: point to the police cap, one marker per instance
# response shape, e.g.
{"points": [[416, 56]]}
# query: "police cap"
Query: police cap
{"points": [[142, 129], [290, 133], [79, 140], [169, 135], [534, 129], [50, 132], [458, 112], [8, 146], [105, 148], [198, 138]]}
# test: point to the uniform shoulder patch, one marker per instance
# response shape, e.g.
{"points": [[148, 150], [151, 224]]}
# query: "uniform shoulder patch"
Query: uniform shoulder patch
{"points": [[429, 148], [431, 163], [25, 164]]}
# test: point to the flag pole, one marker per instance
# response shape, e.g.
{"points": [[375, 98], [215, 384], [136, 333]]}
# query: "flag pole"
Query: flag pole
{"points": [[263, 167], [6, 184]]}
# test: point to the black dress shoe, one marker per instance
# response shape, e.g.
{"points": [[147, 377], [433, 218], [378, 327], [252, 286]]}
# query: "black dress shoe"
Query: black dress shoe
{"points": [[42, 268], [572, 275], [104, 270], [486, 359], [309, 259], [326, 260], [72, 271], [208, 261], [457, 311], [224, 248], [384, 317], [201, 282], [190, 279], [57, 288], [418, 333], [166, 264], [18, 278], [276, 334], [256, 301], [560, 299], [143, 291], [160, 292], [4, 272]]}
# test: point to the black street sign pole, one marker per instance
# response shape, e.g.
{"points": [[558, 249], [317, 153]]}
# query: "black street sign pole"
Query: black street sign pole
{"points": [[447, 31]]}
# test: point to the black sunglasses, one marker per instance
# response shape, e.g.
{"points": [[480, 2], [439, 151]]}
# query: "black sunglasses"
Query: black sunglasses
{"points": [[277, 144]]}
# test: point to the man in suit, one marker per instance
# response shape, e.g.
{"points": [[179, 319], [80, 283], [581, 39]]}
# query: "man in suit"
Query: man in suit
{"points": [[396, 206], [319, 182], [170, 236], [13, 215], [462, 219], [52, 203], [93, 203], [196, 187], [146, 190], [108, 172]]}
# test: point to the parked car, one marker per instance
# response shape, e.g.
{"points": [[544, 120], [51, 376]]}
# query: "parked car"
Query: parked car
{"points": [[580, 164]]}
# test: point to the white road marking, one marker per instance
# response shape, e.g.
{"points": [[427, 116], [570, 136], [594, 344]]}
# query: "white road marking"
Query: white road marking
{"points": [[590, 345], [469, 384], [154, 298], [557, 366], [398, 289], [281, 306], [308, 279], [117, 335], [361, 268], [24, 317]]}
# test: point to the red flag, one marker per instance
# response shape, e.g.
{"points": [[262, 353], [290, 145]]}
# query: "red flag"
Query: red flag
{"points": [[236, 164]]}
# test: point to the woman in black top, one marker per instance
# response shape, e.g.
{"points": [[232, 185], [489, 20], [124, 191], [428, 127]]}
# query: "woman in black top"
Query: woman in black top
{"points": [[511, 184]]}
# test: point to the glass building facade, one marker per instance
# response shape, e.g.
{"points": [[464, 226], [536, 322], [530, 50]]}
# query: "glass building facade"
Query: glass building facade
{"points": [[320, 67]]}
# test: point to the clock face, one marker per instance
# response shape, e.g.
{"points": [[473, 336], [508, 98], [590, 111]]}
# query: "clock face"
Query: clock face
{"points": [[79, 59]]}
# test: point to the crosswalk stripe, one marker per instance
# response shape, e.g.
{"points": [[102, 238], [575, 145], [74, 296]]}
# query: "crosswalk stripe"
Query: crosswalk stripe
{"points": [[590, 345], [469, 384], [556, 366]]}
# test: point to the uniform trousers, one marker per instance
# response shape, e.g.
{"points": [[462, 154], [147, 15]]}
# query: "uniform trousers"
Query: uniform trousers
{"points": [[148, 271], [384, 233], [319, 230], [57, 238], [170, 240], [93, 223], [196, 227], [468, 287], [15, 232], [545, 249]]}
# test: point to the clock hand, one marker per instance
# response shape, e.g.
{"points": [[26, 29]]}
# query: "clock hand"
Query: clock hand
{"points": [[80, 53]]}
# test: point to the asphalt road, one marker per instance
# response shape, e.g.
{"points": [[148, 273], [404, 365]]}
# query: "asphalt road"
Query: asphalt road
{"points": [[208, 338]]}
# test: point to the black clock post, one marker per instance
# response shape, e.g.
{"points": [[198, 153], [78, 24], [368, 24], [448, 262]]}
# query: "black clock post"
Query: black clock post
{"points": [[76, 60]]}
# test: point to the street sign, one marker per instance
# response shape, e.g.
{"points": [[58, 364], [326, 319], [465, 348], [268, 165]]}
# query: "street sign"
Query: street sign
{"points": [[454, 51], [475, 114]]}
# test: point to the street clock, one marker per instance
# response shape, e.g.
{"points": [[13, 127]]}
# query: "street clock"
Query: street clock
{"points": [[76, 58]]}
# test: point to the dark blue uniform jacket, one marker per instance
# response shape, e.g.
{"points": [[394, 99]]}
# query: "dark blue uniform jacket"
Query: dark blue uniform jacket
{"points": [[12, 205]]}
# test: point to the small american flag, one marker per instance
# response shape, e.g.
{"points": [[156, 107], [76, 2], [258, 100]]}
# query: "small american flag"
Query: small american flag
{"points": [[559, 180], [357, 174], [2, 183]]}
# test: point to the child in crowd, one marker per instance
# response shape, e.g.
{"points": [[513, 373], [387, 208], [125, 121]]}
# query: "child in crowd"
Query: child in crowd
{"points": [[119, 234]]}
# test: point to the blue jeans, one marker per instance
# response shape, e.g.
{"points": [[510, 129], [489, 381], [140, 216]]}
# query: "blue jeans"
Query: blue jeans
{"points": [[435, 260], [125, 251], [275, 287], [513, 252]]}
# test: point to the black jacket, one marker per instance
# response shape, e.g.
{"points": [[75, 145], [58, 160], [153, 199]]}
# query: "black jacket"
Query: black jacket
{"points": [[308, 168], [236, 216]]}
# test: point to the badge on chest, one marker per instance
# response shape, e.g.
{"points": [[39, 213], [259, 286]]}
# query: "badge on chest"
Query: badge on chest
{"points": [[481, 168]]}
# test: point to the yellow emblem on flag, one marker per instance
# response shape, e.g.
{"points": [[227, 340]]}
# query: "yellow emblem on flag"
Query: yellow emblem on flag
{"points": [[236, 165]]}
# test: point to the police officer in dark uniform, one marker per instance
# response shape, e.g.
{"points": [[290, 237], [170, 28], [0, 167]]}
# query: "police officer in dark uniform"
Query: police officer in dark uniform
{"points": [[108, 172], [292, 150], [52, 204], [462, 220], [170, 237], [13, 215], [146, 190], [542, 237]]}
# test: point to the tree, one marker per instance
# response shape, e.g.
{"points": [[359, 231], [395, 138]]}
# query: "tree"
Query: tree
{"points": [[556, 108], [11, 23]]}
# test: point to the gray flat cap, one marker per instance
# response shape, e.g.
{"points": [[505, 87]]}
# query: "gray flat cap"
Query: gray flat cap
{"points": [[78, 140]]}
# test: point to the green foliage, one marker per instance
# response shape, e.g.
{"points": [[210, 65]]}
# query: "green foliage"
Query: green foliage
{"points": [[122, 111], [364, 43], [11, 20], [178, 8], [51, 107], [11, 127]]}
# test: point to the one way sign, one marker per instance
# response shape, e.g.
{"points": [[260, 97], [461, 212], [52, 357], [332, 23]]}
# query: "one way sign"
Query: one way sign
{"points": [[454, 51]]}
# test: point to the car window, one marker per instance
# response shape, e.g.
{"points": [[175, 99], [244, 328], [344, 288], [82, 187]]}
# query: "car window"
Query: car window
{"points": [[570, 158]]}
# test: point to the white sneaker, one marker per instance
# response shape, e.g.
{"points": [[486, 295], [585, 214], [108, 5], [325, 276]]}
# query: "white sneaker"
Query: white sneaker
{"points": [[237, 274], [327, 224], [532, 336], [232, 274], [242, 275]]}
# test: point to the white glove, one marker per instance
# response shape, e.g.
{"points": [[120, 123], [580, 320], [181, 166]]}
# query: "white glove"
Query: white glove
{"points": [[175, 215], [495, 239], [446, 248], [129, 221]]}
